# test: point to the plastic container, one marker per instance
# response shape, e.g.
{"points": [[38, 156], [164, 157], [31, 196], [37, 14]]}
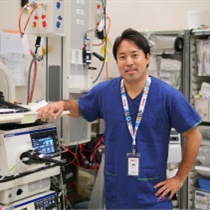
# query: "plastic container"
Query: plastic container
{"points": [[198, 18], [203, 156]]}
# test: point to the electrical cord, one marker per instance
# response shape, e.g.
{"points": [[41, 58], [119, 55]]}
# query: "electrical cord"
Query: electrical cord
{"points": [[31, 157], [76, 148], [29, 78], [108, 29], [11, 169], [34, 82], [14, 177], [34, 61], [33, 5], [102, 66], [58, 186]]}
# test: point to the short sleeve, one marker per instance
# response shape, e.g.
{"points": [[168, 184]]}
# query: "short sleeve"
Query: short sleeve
{"points": [[183, 115], [89, 104]]}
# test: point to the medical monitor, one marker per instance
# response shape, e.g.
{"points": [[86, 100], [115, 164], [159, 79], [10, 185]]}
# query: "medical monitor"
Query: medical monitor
{"points": [[44, 145], [46, 142]]}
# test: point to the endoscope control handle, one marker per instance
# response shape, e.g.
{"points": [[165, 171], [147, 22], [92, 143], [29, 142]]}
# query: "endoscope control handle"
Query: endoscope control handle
{"points": [[32, 157]]}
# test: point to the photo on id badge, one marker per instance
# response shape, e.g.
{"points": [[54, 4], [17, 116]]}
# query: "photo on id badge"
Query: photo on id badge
{"points": [[133, 164]]}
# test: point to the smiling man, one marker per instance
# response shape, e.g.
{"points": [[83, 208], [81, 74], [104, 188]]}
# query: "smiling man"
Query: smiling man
{"points": [[139, 112]]}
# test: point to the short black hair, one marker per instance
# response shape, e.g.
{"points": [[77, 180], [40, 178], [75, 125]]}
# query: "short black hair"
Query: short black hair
{"points": [[136, 37]]}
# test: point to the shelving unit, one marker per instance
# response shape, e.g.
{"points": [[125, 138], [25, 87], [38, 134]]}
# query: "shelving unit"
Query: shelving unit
{"points": [[198, 198], [167, 64]]}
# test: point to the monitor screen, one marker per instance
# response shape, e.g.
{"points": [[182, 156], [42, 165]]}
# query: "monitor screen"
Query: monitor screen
{"points": [[44, 145]]}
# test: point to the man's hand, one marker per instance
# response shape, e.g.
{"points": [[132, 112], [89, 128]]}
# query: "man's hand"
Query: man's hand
{"points": [[47, 111], [169, 186]]}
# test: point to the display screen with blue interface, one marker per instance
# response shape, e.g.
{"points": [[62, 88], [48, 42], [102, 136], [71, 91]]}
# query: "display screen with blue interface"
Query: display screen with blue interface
{"points": [[44, 145]]}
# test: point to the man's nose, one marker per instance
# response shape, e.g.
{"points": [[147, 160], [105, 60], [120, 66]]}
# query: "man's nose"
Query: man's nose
{"points": [[129, 61]]}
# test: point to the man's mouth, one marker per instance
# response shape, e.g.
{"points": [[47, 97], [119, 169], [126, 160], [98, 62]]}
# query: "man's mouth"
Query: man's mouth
{"points": [[130, 70]]}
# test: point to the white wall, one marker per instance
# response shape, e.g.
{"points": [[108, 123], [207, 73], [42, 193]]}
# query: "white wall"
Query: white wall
{"points": [[140, 15]]}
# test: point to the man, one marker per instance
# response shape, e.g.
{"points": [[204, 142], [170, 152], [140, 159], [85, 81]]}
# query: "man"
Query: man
{"points": [[139, 112]]}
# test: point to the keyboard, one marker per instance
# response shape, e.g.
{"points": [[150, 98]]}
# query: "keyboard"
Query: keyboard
{"points": [[8, 108]]}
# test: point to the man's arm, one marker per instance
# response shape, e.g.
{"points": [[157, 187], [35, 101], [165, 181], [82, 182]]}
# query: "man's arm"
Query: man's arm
{"points": [[193, 141], [58, 107], [172, 185]]}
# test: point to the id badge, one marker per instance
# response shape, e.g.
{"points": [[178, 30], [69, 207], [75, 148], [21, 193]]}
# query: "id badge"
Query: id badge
{"points": [[133, 164]]}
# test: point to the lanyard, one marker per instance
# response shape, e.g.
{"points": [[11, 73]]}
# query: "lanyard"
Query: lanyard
{"points": [[142, 105]]}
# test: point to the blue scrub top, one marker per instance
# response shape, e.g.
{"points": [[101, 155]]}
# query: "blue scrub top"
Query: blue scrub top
{"points": [[166, 108]]}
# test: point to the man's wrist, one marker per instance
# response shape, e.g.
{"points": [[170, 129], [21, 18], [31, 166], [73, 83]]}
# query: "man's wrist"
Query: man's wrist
{"points": [[65, 104]]}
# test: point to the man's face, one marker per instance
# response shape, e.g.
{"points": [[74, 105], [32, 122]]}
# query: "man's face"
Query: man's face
{"points": [[131, 61]]}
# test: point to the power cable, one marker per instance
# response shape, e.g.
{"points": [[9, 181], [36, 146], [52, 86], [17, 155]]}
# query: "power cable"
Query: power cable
{"points": [[105, 48]]}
